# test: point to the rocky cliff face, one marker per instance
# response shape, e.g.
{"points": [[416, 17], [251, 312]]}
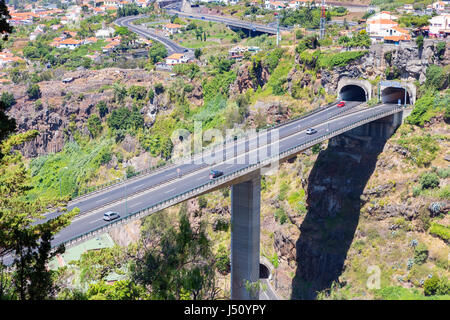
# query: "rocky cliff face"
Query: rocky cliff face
{"points": [[74, 101], [410, 61], [245, 80]]}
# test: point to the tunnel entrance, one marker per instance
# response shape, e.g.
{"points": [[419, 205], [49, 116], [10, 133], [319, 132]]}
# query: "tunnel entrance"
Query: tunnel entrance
{"points": [[264, 272], [392, 95], [353, 92]]}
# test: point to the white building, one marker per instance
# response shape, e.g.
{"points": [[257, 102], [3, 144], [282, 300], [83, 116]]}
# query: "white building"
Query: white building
{"points": [[378, 29], [383, 15], [176, 58], [104, 33], [438, 6], [439, 25], [172, 28], [69, 43]]}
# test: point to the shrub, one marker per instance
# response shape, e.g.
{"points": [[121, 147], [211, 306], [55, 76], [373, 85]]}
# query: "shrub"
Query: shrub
{"points": [[130, 172], [440, 49], [157, 52], [339, 59], [419, 42], [284, 188], [223, 261], [420, 253], [38, 104], [34, 92], [440, 231], [159, 88], [280, 215], [94, 125], [437, 77], [429, 180], [202, 202], [316, 148], [137, 92], [151, 94], [443, 173], [430, 286], [123, 119], [8, 99], [102, 108]]}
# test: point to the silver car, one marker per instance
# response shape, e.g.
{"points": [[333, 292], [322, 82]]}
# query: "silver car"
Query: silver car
{"points": [[110, 215], [311, 131]]}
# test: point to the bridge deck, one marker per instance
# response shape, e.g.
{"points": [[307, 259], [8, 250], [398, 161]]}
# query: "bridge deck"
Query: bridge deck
{"points": [[166, 189]]}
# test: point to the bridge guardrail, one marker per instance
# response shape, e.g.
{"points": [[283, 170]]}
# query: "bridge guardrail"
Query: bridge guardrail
{"points": [[228, 177]]}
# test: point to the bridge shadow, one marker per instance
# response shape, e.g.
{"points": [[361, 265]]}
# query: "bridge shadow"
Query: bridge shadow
{"points": [[335, 185]]}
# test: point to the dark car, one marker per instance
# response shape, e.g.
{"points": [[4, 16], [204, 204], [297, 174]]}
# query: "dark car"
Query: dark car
{"points": [[215, 173], [311, 131], [341, 104]]}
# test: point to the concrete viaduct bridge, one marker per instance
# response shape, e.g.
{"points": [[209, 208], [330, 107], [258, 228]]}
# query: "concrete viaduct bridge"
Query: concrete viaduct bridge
{"points": [[242, 161]]}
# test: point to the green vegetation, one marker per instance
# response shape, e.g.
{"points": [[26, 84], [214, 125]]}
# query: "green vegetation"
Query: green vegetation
{"points": [[7, 99], [176, 261], [122, 119], [436, 286], [401, 293], [157, 52], [82, 161], [440, 231], [428, 106], [411, 20], [361, 40], [429, 180], [29, 243], [423, 149], [420, 253], [339, 59], [34, 92]]}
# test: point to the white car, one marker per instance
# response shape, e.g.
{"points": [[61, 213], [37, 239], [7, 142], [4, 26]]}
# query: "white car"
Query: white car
{"points": [[110, 215], [311, 131]]}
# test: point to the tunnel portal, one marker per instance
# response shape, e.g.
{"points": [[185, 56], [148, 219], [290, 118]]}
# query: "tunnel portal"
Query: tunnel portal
{"points": [[353, 92], [393, 95]]}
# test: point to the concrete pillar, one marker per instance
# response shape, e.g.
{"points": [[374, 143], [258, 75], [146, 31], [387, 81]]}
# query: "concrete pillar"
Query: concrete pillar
{"points": [[245, 224]]}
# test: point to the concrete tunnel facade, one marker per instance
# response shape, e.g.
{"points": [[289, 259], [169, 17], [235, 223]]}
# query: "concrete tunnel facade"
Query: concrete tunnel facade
{"points": [[354, 89]]}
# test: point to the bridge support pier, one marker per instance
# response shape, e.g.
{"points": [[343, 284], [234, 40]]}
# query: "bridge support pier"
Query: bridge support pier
{"points": [[245, 228]]}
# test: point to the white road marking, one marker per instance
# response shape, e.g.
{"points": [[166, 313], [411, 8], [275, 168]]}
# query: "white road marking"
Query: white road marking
{"points": [[169, 190], [136, 204]]}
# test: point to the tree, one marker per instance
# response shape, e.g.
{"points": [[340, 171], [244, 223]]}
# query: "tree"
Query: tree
{"points": [[420, 253], [431, 285], [419, 42], [28, 242], [175, 262], [437, 77], [120, 92], [34, 92], [7, 125], [102, 108], [94, 125], [157, 52], [198, 53], [120, 290], [429, 180], [8, 99], [159, 88], [5, 27], [137, 92]]}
